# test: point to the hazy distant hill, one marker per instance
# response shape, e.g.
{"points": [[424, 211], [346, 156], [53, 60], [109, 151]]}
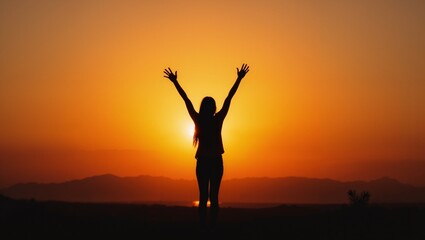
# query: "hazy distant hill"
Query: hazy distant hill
{"points": [[246, 190], [310, 190], [108, 188]]}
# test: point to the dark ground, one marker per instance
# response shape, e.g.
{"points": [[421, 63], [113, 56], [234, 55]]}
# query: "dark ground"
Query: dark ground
{"points": [[26, 219]]}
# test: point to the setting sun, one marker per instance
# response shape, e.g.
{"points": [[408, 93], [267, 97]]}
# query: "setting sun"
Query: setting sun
{"points": [[190, 129]]}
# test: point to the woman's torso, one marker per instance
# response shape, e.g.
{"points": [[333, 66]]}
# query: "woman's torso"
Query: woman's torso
{"points": [[210, 141]]}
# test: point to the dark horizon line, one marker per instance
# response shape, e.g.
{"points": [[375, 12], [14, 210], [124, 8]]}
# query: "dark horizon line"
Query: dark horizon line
{"points": [[225, 204]]}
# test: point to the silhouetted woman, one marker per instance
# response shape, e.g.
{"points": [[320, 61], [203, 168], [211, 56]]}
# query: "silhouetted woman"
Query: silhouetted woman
{"points": [[207, 136]]}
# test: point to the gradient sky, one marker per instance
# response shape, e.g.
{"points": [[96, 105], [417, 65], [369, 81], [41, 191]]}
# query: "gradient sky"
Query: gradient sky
{"points": [[336, 89]]}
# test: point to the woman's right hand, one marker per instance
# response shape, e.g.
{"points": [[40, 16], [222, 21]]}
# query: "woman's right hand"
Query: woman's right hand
{"points": [[170, 75], [244, 70]]}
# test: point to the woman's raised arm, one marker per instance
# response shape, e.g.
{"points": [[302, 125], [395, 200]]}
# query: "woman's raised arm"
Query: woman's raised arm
{"points": [[241, 74], [173, 78]]}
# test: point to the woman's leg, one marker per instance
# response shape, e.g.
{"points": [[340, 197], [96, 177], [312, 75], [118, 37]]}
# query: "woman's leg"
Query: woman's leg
{"points": [[203, 179], [216, 176]]}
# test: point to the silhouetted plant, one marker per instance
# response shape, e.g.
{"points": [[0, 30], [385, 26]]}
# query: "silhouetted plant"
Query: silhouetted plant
{"points": [[358, 199]]}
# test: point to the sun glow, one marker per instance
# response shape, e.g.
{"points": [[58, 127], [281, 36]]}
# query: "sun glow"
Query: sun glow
{"points": [[190, 130]]}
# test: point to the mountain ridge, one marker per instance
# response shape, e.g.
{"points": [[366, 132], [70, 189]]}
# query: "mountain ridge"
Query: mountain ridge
{"points": [[290, 189]]}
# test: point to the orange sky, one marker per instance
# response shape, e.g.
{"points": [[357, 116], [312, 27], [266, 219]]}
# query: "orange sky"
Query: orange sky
{"points": [[335, 89]]}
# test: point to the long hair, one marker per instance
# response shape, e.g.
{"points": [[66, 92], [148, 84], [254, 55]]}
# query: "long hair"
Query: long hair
{"points": [[206, 112]]}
